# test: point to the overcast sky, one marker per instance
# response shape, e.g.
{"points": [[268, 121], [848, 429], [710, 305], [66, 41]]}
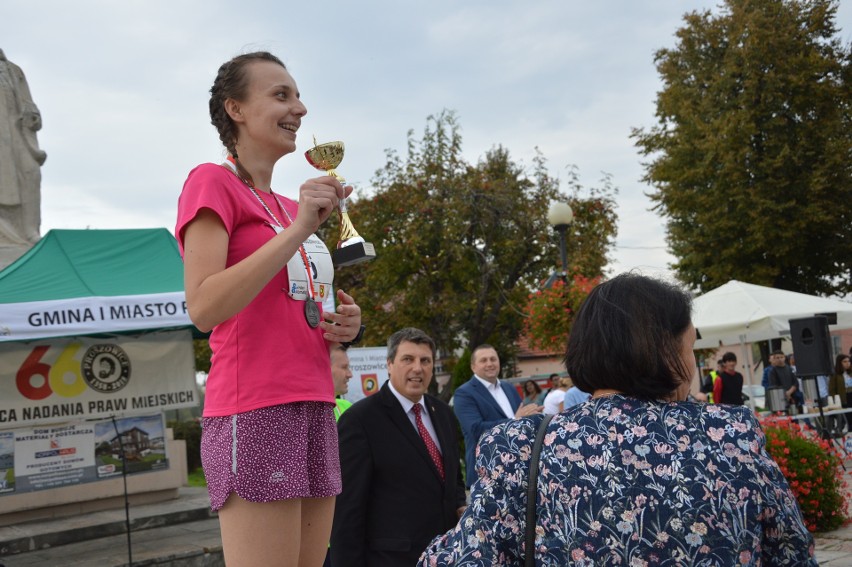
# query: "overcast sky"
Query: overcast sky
{"points": [[123, 88]]}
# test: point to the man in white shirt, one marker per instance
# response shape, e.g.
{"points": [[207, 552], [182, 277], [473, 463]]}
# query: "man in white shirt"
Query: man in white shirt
{"points": [[484, 401]]}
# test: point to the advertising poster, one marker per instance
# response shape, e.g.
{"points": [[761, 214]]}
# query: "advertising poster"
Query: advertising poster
{"points": [[68, 454], [53, 456], [7, 461], [369, 371], [78, 378], [143, 440]]}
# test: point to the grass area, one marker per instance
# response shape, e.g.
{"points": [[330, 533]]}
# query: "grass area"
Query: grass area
{"points": [[196, 478]]}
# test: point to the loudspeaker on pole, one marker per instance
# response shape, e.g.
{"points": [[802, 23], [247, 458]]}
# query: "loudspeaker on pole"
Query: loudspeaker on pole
{"points": [[811, 346]]}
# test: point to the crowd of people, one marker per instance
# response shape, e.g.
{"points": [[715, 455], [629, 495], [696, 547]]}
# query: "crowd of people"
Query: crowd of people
{"points": [[630, 471], [636, 474]]}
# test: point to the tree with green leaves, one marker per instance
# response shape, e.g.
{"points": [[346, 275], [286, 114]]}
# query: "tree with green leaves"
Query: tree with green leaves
{"points": [[203, 354], [750, 158], [460, 246]]}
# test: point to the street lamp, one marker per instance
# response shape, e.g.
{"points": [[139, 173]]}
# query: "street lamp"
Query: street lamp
{"points": [[560, 216]]}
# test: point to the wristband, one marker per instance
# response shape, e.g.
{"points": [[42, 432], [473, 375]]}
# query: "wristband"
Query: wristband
{"points": [[357, 338]]}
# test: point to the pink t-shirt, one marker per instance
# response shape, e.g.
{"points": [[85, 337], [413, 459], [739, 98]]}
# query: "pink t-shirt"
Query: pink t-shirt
{"points": [[266, 354]]}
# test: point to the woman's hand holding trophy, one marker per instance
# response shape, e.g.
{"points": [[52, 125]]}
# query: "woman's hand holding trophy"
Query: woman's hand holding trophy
{"points": [[351, 249]]}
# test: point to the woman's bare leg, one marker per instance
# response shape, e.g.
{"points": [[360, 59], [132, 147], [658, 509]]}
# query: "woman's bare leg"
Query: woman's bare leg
{"points": [[261, 534], [317, 515]]}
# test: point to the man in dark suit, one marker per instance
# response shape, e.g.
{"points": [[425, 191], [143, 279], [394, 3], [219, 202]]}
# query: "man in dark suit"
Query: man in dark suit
{"points": [[399, 457], [484, 401]]}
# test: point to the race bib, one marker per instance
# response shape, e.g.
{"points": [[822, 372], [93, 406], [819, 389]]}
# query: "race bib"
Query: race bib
{"points": [[322, 271]]}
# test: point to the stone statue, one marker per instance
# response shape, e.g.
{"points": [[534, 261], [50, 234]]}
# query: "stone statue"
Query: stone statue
{"points": [[20, 160]]}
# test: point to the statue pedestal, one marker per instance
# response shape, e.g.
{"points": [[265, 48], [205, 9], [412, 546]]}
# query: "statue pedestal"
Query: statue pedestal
{"points": [[9, 253]]}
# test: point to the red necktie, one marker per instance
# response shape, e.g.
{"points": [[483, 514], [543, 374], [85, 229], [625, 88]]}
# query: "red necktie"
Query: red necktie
{"points": [[430, 443]]}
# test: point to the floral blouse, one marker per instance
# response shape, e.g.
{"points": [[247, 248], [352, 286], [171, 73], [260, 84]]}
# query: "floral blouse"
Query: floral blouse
{"points": [[631, 483]]}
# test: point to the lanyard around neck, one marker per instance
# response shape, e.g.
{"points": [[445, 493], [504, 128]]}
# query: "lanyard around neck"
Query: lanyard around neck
{"points": [[236, 170]]}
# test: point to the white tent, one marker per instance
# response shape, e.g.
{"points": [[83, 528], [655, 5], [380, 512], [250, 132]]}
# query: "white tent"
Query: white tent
{"points": [[739, 312]]}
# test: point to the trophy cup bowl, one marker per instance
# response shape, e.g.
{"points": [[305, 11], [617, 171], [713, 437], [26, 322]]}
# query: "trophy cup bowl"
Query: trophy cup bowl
{"points": [[351, 248], [326, 157]]}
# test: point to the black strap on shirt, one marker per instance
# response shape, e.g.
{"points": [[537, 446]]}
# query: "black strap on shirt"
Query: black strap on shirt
{"points": [[532, 493]]}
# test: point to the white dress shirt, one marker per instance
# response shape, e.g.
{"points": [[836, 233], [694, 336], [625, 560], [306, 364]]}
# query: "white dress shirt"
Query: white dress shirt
{"points": [[499, 395], [424, 414]]}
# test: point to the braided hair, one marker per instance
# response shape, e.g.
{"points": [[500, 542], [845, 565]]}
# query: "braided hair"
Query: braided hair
{"points": [[232, 82]]}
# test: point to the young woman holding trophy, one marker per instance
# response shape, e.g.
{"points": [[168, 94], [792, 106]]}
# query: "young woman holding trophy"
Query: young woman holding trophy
{"points": [[256, 275]]}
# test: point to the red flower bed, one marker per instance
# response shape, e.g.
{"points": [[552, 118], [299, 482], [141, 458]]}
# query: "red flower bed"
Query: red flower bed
{"points": [[813, 468]]}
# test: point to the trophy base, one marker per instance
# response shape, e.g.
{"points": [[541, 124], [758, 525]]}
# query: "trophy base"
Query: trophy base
{"points": [[353, 254]]}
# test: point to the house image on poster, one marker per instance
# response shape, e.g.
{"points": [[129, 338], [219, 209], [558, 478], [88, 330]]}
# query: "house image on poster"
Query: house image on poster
{"points": [[136, 444]]}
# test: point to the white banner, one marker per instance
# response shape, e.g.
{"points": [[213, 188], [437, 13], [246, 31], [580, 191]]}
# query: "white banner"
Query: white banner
{"points": [[369, 371], [84, 377], [91, 315]]}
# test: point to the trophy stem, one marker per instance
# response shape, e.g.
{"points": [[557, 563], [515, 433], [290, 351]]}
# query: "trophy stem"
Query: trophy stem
{"points": [[347, 231], [336, 175]]}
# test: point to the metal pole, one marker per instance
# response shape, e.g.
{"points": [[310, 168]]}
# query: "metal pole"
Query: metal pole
{"points": [[126, 498], [748, 379]]}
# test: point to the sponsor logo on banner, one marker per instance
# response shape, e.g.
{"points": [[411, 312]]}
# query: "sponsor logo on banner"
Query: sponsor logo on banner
{"points": [[106, 368], [370, 384]]}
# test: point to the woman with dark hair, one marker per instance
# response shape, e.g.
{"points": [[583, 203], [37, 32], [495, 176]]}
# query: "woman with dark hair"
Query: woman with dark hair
{"points": [[256, 275], [841, 384], [636, 474], [532, 393]]}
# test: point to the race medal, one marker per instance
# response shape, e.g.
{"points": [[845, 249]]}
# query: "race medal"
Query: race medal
{"points": [[312, 313]]}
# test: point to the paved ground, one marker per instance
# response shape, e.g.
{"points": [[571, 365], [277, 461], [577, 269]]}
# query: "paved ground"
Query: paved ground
{"points": [[178, 533], [182, 533], [835, 548]]}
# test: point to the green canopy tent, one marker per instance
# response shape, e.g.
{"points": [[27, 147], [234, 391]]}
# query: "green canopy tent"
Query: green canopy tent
{"points": [[83, 282], [94, 335]]}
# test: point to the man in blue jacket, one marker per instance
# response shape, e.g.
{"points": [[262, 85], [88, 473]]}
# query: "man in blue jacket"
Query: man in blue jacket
{"points": [[484, 401]]}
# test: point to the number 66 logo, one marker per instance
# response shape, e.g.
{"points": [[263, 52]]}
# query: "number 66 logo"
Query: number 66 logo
{"points": [[104, 368]]}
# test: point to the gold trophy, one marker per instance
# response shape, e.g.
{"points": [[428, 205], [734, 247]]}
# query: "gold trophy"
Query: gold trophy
{"points": [[351, 249]]}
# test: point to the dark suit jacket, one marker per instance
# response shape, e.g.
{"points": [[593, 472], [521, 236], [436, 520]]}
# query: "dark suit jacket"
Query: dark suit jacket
{"points": [[478, 411], [393, 501]]}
